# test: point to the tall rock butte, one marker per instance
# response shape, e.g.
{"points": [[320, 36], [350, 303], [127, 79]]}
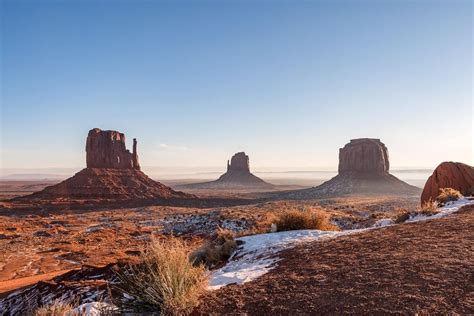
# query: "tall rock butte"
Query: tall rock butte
{"points": [[449, 174], [112, 173], [363, 169], [365, 155], [239, 162], [238, 176], [106, 149]]}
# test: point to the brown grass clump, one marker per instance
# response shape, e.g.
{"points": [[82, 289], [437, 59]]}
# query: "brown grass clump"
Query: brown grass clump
{"points": [[448, 195], [296, 220], [216, 251], [430, 208], [56, 308], [165, 280]]}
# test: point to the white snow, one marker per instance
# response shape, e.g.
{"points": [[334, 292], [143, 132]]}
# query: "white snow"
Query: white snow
{"points": [[447, 209], [258, 254], [93, 309]]}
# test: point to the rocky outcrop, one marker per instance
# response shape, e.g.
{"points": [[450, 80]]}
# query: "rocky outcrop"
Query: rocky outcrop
{"points": [[112, 173], [450, 174], [106, 149], [239, 162], [363, 169], [238, 176], [366, 155]]}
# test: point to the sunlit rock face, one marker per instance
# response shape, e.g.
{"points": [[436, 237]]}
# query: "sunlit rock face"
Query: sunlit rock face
{"points": [[364, 155], [112, 174], [450, 174], [106, 149]]}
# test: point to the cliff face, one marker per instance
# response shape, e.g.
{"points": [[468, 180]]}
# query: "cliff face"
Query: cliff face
{"points": [[450, 174], [112, 173], [106, 149], [365, 155], [363, 169], [239, 162]]}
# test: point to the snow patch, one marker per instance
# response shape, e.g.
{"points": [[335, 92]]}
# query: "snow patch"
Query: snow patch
{"points": [[93, 309], [258, 253]]}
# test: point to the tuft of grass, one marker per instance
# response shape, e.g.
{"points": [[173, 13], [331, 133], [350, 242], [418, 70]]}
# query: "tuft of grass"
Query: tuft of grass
{"points": [[165, 280], [56, 308], [296, 220], [430, 208], [216, 251], [448, 195]]}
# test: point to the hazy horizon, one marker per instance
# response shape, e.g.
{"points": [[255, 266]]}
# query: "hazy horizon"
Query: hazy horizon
{"points": [[288, 83]]}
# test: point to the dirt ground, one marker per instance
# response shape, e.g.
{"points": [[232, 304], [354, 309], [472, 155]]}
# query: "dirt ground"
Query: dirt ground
{"points": [[413, 268], [37, 243]]}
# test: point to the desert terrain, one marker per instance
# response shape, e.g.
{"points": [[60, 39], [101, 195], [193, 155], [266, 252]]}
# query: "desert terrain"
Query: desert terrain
{"points": [[359, 241]]}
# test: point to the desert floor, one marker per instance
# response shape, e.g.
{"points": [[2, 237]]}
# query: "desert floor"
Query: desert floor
{"points": [[36, 245], [412, 268]]}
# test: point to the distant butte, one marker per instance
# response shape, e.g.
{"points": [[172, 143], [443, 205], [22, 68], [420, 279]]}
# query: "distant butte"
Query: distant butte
{"points": [[238, 176], [112, 173], [363, 169]]}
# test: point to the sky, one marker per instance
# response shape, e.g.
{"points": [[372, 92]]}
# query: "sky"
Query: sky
{"points": [[288, 82]]}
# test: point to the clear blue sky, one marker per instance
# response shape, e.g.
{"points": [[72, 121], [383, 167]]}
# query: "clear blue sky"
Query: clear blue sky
{"points": [[194, 81]]}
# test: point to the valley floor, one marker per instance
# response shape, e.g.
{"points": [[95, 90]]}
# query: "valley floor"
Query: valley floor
{"points": [[423, 267]]}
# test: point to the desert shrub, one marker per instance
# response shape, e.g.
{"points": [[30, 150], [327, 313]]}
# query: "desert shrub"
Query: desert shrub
{"points": [[295, 220], [448, 195], [429, 208], [56, 308], [216, 251], [165, 280]]}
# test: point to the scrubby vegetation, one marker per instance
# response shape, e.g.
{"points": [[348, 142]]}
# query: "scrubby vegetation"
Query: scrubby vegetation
{"points": [[448, 195], [56, 308], [303, 219], [165, 280], [216, 251]]}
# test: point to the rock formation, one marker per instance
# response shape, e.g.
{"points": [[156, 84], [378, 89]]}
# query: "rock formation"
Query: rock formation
{"points": [[239, 162], [106, 149], [363, 169], [450, 174], [238, 176], [366, 155], [112, 173]]}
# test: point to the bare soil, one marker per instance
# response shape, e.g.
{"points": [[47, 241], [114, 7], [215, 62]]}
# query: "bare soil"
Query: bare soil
{"points": [[413, 268]]}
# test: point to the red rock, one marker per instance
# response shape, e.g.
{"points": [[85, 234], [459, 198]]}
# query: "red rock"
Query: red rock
{"points": [[108, 184], [239, 162], [450, 174], [112, 173], [106, 149], [365, 155], [238, 176]]}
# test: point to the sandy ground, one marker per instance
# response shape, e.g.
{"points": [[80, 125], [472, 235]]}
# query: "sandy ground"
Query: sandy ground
{"points": [[36, 243], [413, 268]]}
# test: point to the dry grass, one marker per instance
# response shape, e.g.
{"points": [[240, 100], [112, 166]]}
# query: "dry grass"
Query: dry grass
{"points": [[216, 251], [56, 308], [306, 219], [165, 280], [428, 209], [448, 195]]}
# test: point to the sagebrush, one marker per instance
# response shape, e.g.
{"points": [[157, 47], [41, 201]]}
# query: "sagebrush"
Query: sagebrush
{"points": [[165, 280], [306, 219]]}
